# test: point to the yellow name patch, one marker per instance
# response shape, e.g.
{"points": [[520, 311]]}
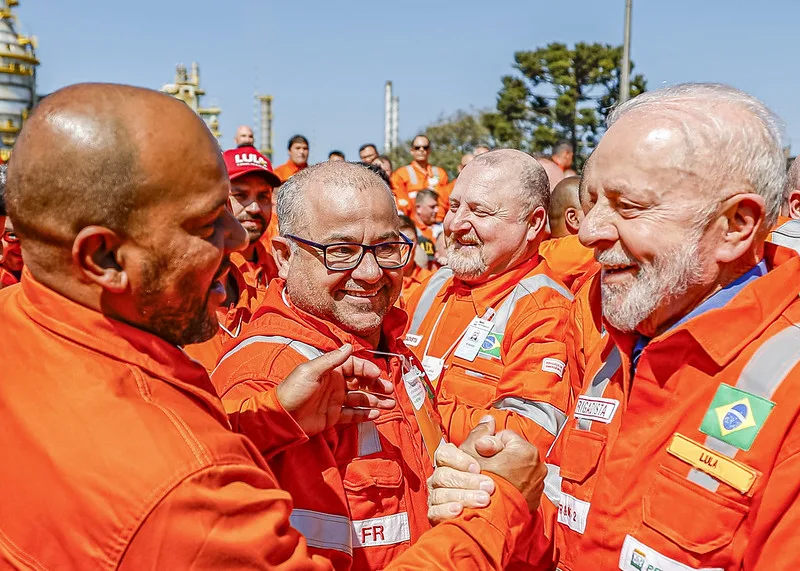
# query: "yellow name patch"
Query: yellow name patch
{"points": [[716, 465]]}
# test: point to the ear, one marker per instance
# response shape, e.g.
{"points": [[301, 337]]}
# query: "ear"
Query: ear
{"points": [[537, 222], [794, 204], [743, 216], [282, 254], [572, 219], [96, 252]]}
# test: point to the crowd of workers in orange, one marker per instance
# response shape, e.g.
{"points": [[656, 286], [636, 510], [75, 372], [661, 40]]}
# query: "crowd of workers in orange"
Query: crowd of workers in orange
{"points": [[211, 363]]}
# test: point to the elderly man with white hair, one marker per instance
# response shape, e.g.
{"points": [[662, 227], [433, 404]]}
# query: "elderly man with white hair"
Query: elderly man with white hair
{"points": [[683, 448]]}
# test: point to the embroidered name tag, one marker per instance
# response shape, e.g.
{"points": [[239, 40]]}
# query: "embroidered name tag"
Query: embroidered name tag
{"points": [[716, 465], [412, 340], [596, 408], [573, 512], [550, 365], [386, 530]]}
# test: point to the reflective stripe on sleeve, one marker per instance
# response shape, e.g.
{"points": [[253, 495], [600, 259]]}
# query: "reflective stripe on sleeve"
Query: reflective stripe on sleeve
{"points": [[304, 349], [412, 174], [544, 414], [552, 484], [322, 530]]}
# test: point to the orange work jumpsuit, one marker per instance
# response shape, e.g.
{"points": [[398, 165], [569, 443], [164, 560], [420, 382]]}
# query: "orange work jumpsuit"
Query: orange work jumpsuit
{"points": [[444, 199], [359, 491], [518, 374], [287, 170], [586, 326], [568, 258], [689, 460], [408, 180], [786, 233], [411, 283], [7, 278], [119, 454]]}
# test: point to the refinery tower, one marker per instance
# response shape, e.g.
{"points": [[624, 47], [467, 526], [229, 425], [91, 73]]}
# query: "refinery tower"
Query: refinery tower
{"points": [[17, 78]]}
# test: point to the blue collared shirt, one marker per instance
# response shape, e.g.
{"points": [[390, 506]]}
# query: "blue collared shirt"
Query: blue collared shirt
{"points": [[715, 301]]}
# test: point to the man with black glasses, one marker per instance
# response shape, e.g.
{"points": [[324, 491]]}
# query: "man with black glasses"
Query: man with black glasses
{"points": [[410, 179], [359, 490]]}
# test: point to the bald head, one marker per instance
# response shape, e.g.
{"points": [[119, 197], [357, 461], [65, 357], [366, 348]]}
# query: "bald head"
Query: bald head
{"points": [[529, 178], [82, 158], [244, 137], [565, 211], [554, 172], [329, 181]]}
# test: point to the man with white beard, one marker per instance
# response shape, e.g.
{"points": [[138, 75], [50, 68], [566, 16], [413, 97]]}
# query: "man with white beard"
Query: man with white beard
{"points": [[490, 329], [683, 448]]}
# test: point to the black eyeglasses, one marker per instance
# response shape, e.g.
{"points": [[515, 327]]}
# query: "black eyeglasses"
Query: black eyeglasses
{"points": [[345, 256], [421, 147]]}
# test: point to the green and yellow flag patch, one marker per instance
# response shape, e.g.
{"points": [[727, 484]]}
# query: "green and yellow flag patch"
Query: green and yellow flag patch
{"points": [[736, 416], [491, 345]]}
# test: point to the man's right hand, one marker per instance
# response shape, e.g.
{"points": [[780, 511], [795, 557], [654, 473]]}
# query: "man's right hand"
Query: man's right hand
{"points": [[456, 483]]}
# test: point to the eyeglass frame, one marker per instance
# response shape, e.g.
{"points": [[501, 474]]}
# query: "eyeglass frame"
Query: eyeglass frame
{"points": [[364, 248]]}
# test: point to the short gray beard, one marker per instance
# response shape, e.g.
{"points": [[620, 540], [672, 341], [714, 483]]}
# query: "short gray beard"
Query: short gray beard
{"points": [[657, 284], [466, 266]]}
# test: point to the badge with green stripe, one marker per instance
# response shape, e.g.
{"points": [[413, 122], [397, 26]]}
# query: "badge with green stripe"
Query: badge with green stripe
{"points": [[736, 416]]}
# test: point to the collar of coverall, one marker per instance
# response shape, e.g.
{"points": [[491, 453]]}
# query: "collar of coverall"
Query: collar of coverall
{"points": [[323, 334], [490, 293], [116, 340], [746, 316]]}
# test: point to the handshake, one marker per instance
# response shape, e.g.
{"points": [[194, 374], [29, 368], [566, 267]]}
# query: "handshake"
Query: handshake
{"points": [[458, 481]]}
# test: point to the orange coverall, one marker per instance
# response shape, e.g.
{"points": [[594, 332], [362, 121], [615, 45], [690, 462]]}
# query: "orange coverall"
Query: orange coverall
{"points": [[408, 180], [288, 169], [586, 326], [568, 258], [786, 233], [411, 283], [690, 461], [120, 456], [359, 491], [7, 278], [518, 376]]}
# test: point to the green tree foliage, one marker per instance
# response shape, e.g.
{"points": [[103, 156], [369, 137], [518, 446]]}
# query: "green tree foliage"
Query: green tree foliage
{"points": [[558, 93], [451, 137]]}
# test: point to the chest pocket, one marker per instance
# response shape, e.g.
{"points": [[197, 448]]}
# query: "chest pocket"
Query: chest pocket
{"points": [[696, 519], [474, 383], [584, 451]]}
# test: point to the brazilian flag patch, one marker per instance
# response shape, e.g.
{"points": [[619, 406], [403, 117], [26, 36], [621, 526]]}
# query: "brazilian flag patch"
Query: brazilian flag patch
{"points": [[736, 416], [491, 345]]}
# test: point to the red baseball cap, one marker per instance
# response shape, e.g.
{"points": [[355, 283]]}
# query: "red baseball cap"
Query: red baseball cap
{"points": [[244, 160]]}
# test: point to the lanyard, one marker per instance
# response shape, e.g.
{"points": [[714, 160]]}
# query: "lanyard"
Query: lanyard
{"points": [[489, 315]]}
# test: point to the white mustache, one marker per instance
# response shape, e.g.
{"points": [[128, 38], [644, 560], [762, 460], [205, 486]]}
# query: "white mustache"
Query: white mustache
{"points": [[614, 258]]}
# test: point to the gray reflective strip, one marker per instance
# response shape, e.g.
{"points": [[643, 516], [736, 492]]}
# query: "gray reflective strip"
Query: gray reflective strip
{"points": [[412, 174], [552, 484], [474, 374], [788, 235], [544, 414], [703, 480], [304, 349], [528, 286], [369, 442], [323, 531], [432, 289], [761, 376], [600, 381]]}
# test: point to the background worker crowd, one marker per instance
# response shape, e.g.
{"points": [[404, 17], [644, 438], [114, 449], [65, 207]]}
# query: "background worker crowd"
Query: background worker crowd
{"points": [[603, 369]]}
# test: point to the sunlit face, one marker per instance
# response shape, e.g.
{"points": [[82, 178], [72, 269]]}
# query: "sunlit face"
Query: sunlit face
{"points": [[251, 199], [298, 153], [244, 137], [355, 300], [12, 253], [427, 209], [179, 257], [649, 225], [368, 154], [485, 234], [421, 149]]}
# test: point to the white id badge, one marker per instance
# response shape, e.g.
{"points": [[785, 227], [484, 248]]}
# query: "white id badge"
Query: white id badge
{"points": [[473, 338], [414, 387], [433, 367]]}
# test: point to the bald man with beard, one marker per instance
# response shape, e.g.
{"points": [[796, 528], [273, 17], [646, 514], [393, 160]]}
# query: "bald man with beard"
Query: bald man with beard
{"points": [[244, 137]]}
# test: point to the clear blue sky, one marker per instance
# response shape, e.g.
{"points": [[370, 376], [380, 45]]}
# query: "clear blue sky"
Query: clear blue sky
{"points": [[326, 63]]}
